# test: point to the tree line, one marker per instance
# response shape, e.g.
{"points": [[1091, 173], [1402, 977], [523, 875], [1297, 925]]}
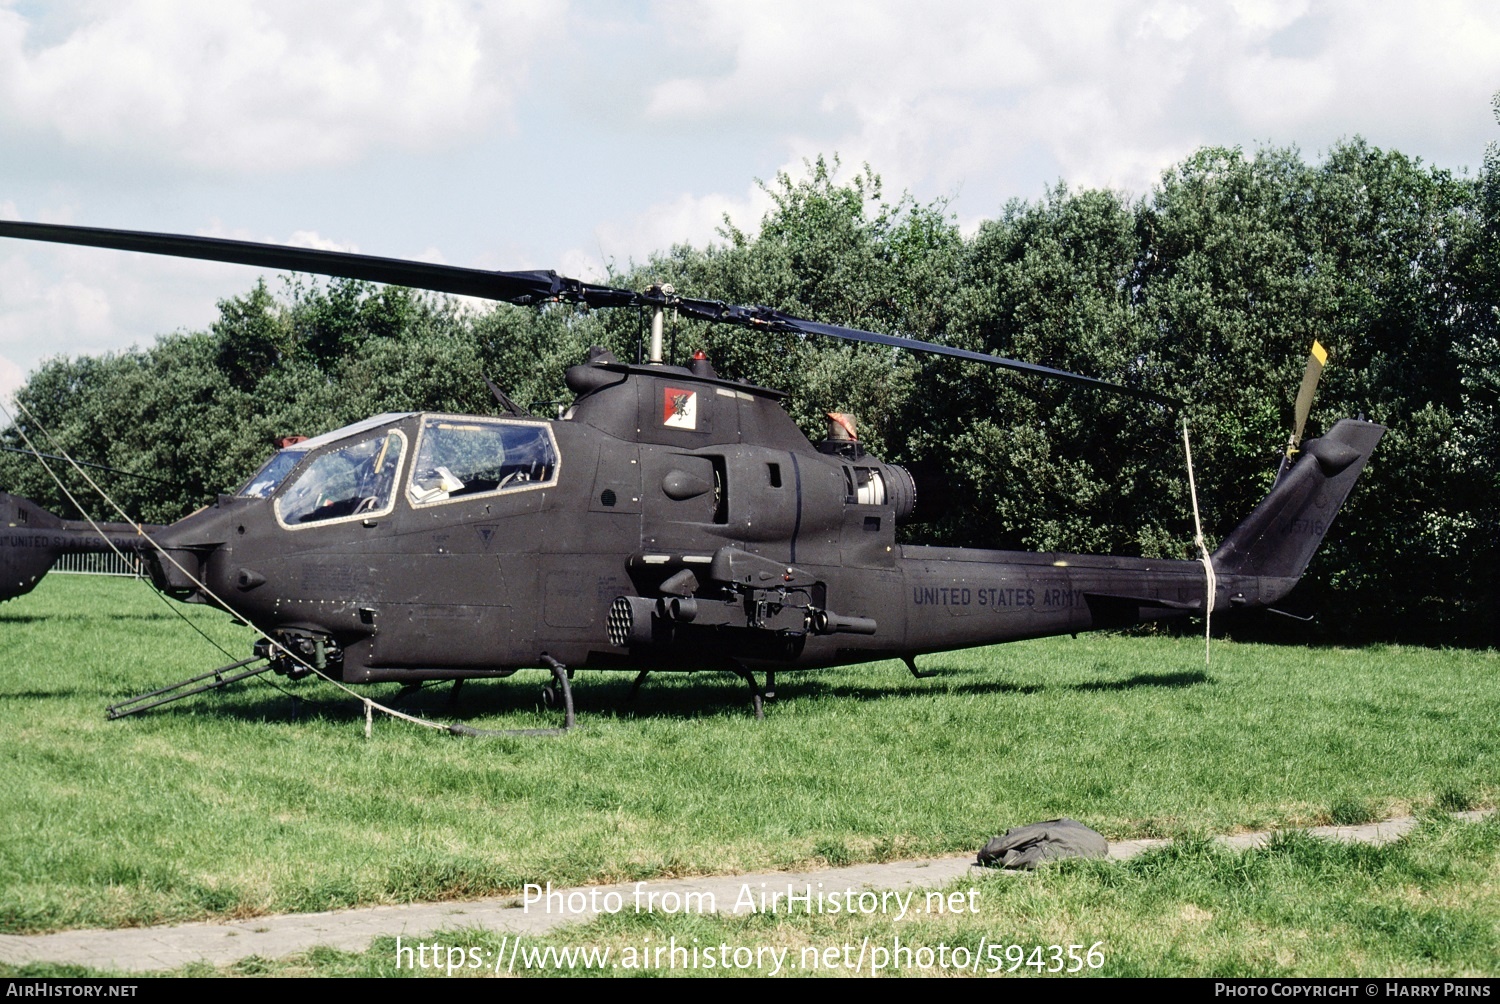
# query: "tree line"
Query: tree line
{"points": [[1209, 289]]}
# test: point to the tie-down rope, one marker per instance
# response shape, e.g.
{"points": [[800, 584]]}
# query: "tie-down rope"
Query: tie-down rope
{"points": [[1208, 564]]}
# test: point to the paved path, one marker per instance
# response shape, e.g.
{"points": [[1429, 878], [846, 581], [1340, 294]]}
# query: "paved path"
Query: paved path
{"points": [[145, 949]]}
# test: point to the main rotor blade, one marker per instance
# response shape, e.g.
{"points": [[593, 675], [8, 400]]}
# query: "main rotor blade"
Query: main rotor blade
{"points": [[774, 320], [82, 463], [511, 287]]}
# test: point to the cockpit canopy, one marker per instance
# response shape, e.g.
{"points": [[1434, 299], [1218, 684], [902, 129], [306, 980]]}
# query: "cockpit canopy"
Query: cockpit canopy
{"points": [[355, 471], [274, 471], [461, 456]]}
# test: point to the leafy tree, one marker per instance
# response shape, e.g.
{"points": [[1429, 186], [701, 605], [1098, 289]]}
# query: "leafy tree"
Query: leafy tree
{"points": [[1045, 465]]}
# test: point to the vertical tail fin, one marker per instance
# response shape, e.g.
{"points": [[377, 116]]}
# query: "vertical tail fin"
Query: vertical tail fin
{"points": [[28, 534], [1278, 539]]}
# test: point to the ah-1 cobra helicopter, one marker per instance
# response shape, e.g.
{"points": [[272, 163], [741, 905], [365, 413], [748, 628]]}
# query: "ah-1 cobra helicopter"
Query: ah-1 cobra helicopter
{"points": [[669, 519]]}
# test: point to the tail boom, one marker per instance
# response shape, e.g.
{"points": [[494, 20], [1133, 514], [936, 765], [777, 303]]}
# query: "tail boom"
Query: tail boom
{"points": [[957, 597], [32, 539]]}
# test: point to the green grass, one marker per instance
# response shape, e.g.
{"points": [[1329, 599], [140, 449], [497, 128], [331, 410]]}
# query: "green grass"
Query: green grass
{"points": [[224, 805], [1427, 906]]}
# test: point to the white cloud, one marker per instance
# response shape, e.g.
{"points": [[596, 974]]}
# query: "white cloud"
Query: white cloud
{"points": [[1262, 15], [12, 378], [271, 85], [69, 300], [66, 300], [1106, 94], [298, 239], [316, 241], [686, 219]]}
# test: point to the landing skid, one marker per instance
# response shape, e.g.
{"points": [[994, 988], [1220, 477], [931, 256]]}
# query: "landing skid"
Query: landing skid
{"points": [[558, 692], [635, 687]]}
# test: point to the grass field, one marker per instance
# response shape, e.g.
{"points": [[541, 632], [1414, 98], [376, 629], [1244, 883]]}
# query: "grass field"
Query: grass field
{"points": [[225, 805], [1426, 906]]}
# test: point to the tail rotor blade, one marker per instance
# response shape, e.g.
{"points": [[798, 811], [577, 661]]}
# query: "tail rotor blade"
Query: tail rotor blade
{"points": [[1316, 360]]}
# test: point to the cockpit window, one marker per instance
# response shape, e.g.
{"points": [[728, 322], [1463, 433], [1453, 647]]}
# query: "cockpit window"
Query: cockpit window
{"points": [[463, 457], [275, 470], [269, 477], [358, 480]]}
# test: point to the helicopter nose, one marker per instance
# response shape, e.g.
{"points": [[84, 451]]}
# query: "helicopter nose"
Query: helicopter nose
{"points": [[186, 547], [175, 569]]}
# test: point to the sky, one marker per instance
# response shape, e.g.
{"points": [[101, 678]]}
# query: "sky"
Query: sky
{"points": [[573, 135]]}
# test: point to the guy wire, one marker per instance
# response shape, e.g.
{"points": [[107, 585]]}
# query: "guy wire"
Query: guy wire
{"points": [[368, 702]]}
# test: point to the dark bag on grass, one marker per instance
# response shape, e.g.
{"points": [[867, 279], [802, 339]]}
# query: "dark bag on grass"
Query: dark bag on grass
{"points": [[1028, 846]]}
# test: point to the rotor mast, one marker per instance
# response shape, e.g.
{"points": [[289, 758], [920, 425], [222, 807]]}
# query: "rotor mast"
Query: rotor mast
{"points": [[662, 292]]}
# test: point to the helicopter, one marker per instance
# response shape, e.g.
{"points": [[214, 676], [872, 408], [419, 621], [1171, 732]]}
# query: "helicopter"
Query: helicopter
{"points": [[667, 519]]}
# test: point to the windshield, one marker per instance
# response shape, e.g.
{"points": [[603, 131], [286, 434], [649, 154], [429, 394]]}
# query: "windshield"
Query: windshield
{"points": [[269, 477], [357, 480]]}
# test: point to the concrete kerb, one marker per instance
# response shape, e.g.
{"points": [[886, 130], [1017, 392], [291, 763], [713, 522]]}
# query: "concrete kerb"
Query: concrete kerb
{"points": [[162, 948]]}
